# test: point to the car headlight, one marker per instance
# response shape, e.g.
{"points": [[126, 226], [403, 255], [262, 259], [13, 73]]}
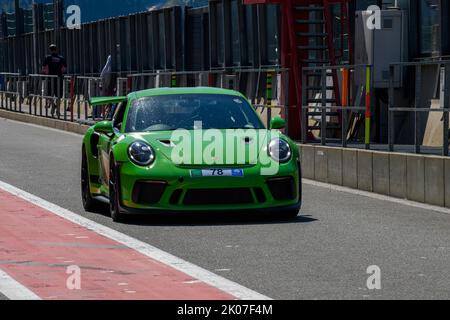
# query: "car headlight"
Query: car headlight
{"points": [[280, 150], [141, 153]]}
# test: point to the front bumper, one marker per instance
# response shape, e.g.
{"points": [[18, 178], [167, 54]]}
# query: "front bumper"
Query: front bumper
{"points": [[178, 192], [137, 212]]}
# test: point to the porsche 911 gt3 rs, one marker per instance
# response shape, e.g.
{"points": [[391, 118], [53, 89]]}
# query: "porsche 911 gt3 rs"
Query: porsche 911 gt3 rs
{"points": [[189, 150]]}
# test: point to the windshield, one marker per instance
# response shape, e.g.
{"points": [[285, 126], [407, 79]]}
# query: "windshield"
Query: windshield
{"points": [[191, 111]]}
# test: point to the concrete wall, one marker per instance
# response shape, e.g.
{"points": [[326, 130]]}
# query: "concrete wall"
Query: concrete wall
{"points": [[420, 178]]}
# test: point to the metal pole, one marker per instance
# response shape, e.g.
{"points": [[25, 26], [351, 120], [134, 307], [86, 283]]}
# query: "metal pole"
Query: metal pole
{"points": [[42, 90], [417, 105], [390, 106], [15, 94], [286, 100], [345, 103], [323, 129], [447, 109], [304, 112], [58, 97], [65, 98], [269, 96], [368, 107]]}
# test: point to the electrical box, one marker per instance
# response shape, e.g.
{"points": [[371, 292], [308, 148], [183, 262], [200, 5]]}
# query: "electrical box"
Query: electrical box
{"points": [[381, 47]]}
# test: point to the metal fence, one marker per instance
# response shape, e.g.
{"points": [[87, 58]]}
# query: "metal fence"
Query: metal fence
{"points": [[427, 119], [67, 98], [64, 98], [11, 89], [174, 38], [263, 87], [417, 107], [337, 120]]}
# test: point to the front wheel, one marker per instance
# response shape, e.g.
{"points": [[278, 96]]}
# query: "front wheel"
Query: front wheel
{"points": [[89, 203], [114, 196]]}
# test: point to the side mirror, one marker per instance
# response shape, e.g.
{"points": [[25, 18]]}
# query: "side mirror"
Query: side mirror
{"points": [[104, 127], [277, 123]]}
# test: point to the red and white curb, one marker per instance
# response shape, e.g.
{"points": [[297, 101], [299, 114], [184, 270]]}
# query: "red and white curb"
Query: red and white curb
{"points": [[39, 240]]}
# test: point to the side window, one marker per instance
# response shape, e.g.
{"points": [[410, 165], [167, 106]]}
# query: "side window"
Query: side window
{"points": [[119, 115]]}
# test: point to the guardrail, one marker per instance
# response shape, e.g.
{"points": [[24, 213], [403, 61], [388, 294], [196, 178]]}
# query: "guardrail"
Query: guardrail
{"points": [[45, 94], [419, 108], [263, 87], [67, 98], [64, 98], [11, 89], [320, 103]]}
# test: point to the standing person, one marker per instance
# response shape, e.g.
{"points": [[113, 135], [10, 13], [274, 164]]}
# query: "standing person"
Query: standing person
{"points": [[108, 88], [54, 65]]}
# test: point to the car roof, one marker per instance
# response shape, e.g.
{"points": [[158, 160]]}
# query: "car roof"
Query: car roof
{"points": [[172, 91]]}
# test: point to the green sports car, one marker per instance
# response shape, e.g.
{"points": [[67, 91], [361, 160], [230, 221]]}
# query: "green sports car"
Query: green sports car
{"points": [[189, 150]]}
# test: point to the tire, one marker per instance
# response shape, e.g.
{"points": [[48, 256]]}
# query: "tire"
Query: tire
{"points": [[114, 196], [89, 203]]}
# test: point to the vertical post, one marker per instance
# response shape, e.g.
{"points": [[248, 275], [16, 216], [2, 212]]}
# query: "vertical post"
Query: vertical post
{"points": [[16, 93], [345, 103], [391, 124], [9, 90], [447, 109], [323, 129], [269, 96], [72, 96], [65, 97], [141, 84], [59, 85], [42, 81], [304, 109], [86, 104], [78, 108], [22, 94], [129, 85], [286, 100], [35, 92], [416, 106], [368, 107], [2, 89]]}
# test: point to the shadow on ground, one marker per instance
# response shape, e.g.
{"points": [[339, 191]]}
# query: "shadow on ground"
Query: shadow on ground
{"points": [[208, 219]]}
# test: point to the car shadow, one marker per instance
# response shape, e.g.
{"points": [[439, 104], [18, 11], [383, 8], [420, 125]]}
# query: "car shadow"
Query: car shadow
{"points": [[207, 219], [213, 219]]}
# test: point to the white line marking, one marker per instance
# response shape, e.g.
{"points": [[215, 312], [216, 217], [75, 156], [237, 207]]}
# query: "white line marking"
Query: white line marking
{"points": [[154, 253], [377, 196], [13, 290]]}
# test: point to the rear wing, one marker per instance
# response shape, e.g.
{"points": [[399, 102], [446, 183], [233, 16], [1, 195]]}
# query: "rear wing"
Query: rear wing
{"points": [[98, 101]]}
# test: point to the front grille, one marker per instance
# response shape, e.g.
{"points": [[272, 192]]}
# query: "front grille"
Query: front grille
{"points": [[176, 195], [282, 189], [195, 197], [259, 193], [148, 192]]}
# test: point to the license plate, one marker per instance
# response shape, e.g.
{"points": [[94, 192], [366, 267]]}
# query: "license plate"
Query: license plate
{"points": [[217, 173]]}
